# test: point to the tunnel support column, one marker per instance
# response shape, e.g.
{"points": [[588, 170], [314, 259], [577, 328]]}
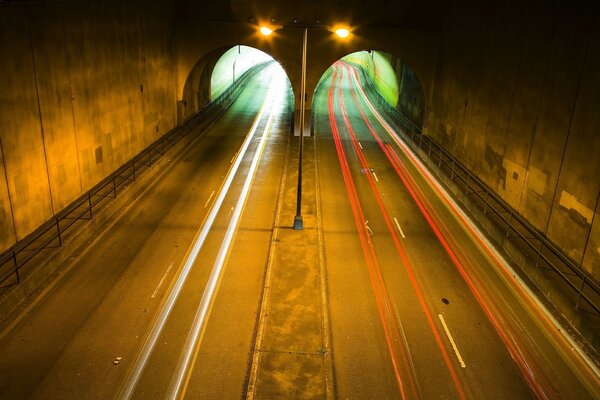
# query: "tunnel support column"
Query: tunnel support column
{"points": [[298, 222]]}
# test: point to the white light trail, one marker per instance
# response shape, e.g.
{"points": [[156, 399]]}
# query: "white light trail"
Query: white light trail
{"points": [[141, 360], [177, 381]]}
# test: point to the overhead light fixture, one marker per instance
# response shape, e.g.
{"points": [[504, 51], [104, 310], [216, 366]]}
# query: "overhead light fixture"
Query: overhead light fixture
{"points": [[265, 30], [342, 32]]}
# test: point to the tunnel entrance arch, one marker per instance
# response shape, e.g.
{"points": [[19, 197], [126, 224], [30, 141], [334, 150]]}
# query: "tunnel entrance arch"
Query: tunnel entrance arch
{"points": [[394, 80], [216, 71]]}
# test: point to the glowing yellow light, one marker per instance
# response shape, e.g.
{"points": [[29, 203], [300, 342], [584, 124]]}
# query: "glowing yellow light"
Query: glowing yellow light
{"points": [[342, 32], [265, 30]]}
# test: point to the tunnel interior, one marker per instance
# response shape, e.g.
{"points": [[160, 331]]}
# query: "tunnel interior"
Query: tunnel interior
{"points": [[394, 80], [218, 70], [231, 65]]}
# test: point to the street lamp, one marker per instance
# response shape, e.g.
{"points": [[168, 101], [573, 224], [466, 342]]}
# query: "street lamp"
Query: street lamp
{"points": [[342, 33], [265, 30]]}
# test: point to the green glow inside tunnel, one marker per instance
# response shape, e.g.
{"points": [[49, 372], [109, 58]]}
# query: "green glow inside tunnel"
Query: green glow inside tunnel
{"points": [[379, 68], [232, 64]]}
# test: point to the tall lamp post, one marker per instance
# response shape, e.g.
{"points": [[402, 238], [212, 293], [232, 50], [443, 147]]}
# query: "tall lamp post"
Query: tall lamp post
{"points": [[342, 33], [298, 222]]}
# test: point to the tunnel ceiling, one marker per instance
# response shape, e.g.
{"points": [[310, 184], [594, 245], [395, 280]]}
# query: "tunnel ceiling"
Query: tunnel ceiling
{"points": [[389, 13]]}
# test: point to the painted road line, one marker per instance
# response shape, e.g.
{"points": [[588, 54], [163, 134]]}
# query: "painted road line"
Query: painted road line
{"points": [[135, 373], [180, 379], [233, 158], [399, 229], [360, 145], [460, 359], [375, 176], [209, 199], [162, 279]]}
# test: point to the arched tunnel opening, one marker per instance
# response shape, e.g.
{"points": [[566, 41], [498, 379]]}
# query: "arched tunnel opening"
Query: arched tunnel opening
{"points": [[391, 78], [219, 70]]}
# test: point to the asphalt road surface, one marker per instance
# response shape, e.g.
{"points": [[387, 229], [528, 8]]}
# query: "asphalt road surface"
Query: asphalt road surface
{"points": [[421, 305], [108, 326]]}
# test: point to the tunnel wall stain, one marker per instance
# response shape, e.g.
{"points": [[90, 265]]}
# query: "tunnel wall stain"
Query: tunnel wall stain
{"points": [[85, 86], [516, 98]]}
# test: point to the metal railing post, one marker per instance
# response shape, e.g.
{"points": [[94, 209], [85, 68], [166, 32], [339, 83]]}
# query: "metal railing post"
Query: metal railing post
{"points": [[58, 232], [90, 205], [16, 267], [580, 293]]}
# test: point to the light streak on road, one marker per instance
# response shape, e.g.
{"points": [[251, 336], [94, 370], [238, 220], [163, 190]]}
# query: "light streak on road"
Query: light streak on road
{"points": [[454, 347], [401, 252], [141, 360], [583, 365], [392, 334], [534, 379], [177, 387]]}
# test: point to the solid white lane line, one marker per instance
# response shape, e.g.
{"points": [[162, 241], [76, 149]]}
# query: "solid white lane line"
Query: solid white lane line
{"points": [[460, 360], [162, 279], [184, 366], [375, 176], [399, 229], [360, 145], [140, 362], [209, 199]]}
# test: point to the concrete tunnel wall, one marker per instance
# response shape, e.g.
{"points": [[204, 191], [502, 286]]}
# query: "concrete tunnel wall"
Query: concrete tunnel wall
{"points": [[510, 88], [516, 98], [85, 86]]}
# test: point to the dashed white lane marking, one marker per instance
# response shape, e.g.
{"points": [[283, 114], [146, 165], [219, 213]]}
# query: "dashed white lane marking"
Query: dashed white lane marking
{"points": [[400, 229], [230, 212], [209, 199], [375, 176], [360, 145], [460, 360], [162, 279], [233, 158]]}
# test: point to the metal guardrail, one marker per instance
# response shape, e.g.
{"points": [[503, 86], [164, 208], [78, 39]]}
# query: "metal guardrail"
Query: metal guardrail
{"points": [[548, 255], [52, 233]]}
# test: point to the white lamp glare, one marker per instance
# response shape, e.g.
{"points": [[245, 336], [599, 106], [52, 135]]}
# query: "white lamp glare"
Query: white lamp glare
{"points": [[342, 32], [265, 31]]}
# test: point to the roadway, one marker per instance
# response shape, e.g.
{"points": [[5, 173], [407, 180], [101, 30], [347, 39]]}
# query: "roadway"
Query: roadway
{"points": [[166, 302], [87, 336], [421, 305]]}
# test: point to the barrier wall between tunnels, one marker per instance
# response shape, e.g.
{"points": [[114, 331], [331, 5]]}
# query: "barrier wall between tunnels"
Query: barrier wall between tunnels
{"points": [[515, 98], [85, 87]]}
